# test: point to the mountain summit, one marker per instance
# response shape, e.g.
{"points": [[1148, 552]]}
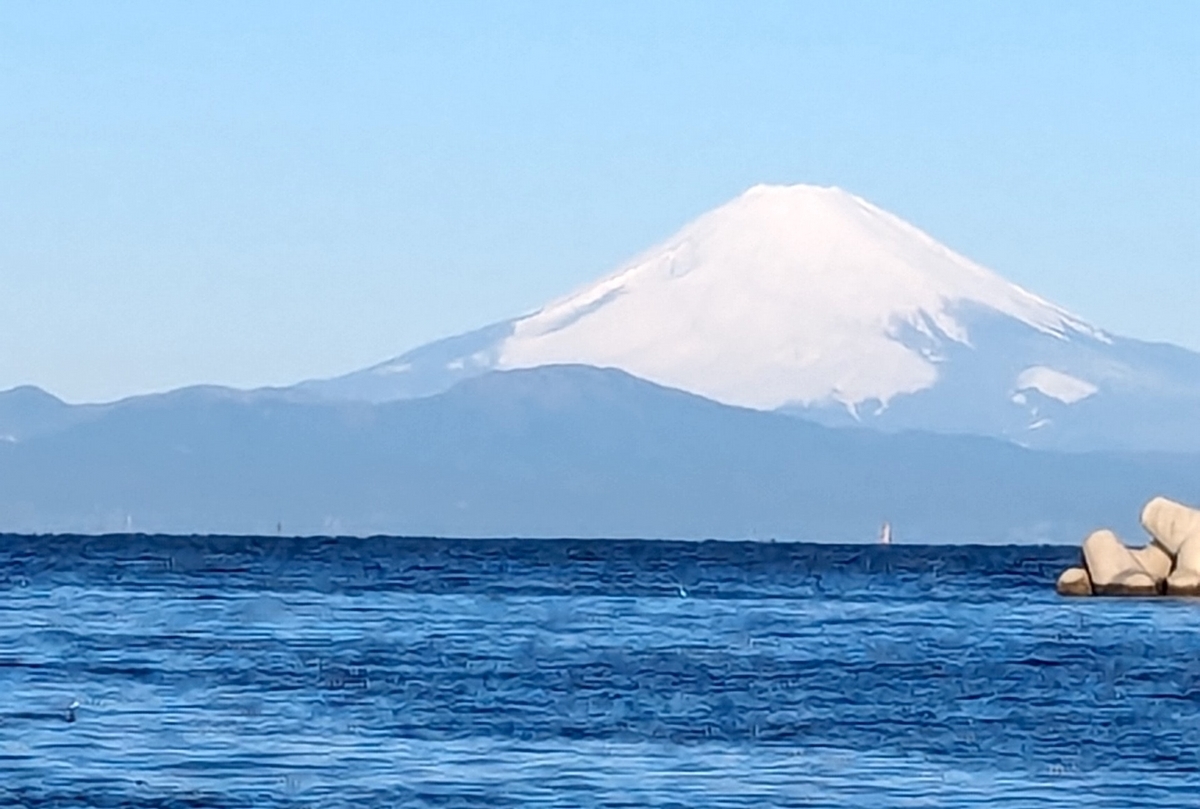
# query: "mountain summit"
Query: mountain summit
{"points": [[792, 295], [814, 301]]}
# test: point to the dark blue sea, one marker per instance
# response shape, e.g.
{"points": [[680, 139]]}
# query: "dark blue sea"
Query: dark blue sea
{"points": [[265, 672]]}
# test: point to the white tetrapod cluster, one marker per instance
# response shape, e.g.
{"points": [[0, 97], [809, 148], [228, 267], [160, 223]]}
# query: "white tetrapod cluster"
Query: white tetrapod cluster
{"points": [[1169, 564]]}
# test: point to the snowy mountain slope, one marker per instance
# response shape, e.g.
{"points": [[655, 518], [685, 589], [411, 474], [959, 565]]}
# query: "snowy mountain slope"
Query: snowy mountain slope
{"points": [[816, 302], [1078, 394], [423, 371], [784, 296]]}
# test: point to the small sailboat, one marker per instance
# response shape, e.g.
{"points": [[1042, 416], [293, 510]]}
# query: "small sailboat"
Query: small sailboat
{"points": [[885, 534]]}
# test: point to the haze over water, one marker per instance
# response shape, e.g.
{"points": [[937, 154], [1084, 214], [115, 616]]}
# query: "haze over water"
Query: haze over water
{"points": [[400, 672]]}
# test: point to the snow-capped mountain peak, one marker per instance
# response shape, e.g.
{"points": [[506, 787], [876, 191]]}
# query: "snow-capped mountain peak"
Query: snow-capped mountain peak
{"points": [[818, 303], [787, 295]]}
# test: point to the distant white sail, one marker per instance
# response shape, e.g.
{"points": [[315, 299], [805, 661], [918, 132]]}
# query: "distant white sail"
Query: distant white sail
{"points": [[885, 534]]}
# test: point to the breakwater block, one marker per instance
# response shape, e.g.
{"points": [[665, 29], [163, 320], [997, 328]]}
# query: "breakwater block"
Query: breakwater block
{"points": [[1169, 564]]}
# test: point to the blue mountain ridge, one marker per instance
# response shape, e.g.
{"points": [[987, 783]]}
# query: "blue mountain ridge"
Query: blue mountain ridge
{"points": [[546, 452]]}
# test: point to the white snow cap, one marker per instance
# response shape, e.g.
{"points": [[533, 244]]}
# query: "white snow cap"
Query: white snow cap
{"points": [[786, 294], [1055, 384]]}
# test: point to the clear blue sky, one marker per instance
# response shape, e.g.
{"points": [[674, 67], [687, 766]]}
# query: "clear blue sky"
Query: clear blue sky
{"points": [[253, 193]]}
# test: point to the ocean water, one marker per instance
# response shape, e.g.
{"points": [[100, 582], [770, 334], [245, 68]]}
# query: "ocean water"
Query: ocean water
{"points": [[433, 673]]}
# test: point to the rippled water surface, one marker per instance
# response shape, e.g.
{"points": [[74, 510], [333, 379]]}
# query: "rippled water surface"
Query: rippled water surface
{"points": [[429, 673]]}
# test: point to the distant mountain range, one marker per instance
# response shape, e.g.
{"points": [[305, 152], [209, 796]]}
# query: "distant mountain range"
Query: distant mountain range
{"points": [[797, 364], [815, 302], [552, 451]]}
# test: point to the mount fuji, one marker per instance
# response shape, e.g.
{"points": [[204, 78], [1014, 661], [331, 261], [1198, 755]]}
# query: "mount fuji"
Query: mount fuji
{"points": [[673, 398], [814, 302]]}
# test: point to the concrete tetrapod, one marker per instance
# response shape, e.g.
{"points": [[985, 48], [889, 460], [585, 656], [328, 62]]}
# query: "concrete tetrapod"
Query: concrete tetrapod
{"points": [[1155, 560], [1074, 581], [1169, 563], [1170, 523], [1185, 578], [1114, 569]]}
